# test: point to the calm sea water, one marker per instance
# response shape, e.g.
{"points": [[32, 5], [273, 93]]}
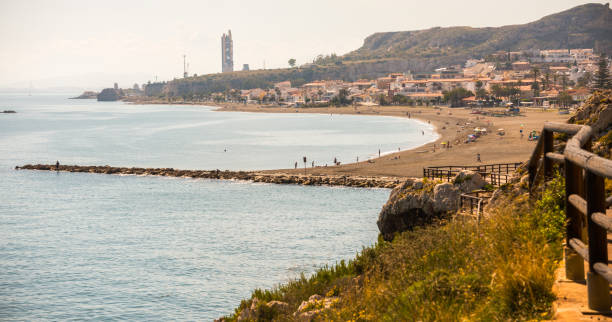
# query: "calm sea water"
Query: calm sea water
{"points": [[84, 246]]}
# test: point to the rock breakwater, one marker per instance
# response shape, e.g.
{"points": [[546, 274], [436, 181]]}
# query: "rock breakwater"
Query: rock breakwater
{"points": [[276, 178]]}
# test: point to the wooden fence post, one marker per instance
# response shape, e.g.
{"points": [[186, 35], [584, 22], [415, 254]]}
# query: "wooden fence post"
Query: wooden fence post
{"points": [[574, 263], [548, 147], [598, 287]]}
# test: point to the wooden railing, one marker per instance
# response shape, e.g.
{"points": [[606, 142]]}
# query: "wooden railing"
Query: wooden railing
{"points": [[496, 174], [585, 206], [475, 200]]}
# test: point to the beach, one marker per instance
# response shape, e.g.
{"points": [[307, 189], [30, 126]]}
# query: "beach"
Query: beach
{"points": [[452, 124]]}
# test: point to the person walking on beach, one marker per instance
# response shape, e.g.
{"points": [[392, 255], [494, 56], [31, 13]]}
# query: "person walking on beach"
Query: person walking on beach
{"points": [[335, 161], [478, 157], [296, 164], [57, 165], [379, 153]]}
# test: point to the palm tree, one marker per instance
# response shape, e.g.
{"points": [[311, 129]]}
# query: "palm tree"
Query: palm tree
{"points": [[535, 86], [547, 79]]}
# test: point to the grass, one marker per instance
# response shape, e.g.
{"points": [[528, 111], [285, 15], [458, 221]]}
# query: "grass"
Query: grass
{"points": [[502, 269]]}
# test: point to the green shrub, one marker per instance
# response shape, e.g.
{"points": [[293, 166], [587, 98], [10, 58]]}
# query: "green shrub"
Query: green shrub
{"points": [[549, 212]]}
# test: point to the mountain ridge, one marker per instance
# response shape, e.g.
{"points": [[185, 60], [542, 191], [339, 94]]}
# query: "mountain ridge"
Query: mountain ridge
{"points": [[584, 26]]}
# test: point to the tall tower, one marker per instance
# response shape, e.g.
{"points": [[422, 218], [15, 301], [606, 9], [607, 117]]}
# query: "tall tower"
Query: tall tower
{"points": [[227, 52], [184, 66]]}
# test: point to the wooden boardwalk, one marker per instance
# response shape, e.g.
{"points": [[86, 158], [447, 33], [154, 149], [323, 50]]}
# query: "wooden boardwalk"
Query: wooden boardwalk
{"points": [[496, 174]]}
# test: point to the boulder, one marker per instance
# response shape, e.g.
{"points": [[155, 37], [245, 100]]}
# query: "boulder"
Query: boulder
{"points": [[445, 198], [278, 306], [468, 181]]}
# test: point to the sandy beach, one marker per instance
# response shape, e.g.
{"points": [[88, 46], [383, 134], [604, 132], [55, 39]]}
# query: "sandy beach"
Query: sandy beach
{"points": [[452, 124]]}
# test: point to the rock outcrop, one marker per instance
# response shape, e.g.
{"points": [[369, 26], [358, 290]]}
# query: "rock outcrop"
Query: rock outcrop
{"points": [[596, 112], [315, 305], [110, 95], [417, 202]]}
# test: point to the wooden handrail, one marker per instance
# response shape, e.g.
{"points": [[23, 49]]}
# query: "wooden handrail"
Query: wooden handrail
{"points": [[580, 248], [604, 271], [555, 157], [585, 198], [602, 220], [578, 202], [562, 127]]}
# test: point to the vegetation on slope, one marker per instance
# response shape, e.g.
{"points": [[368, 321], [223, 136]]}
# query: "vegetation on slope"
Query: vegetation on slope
{"points": [[585, 26], [499, 269]]}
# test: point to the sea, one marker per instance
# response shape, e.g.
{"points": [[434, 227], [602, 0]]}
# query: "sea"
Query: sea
{"points": [[79, 246]]}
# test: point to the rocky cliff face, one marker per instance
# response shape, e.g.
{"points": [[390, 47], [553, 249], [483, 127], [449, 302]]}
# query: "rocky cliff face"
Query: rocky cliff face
{"points": [[418, 202]]}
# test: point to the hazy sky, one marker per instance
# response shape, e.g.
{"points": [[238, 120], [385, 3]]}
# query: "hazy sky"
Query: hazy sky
{"points": [[89, 42]]}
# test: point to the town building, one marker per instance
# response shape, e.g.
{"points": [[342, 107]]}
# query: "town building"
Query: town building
{"points": [[521, 65]]}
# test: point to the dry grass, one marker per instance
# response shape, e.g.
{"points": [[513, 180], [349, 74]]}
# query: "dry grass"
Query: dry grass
{"points": [[501, 269]]}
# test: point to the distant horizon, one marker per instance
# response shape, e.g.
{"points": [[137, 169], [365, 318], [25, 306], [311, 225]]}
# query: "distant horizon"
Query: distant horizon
{"points": [[67, 44]]}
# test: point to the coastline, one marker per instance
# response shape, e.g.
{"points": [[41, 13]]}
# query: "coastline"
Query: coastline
{"points": [[451, 124]]}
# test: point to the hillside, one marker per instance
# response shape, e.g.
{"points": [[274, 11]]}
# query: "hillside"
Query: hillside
{"points": [[586, 26]]}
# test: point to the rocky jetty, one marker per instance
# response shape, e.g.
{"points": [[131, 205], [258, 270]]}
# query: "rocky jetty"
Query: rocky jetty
{"points": [[110, 95], [9, 112], [420, 201], [309, 180]]}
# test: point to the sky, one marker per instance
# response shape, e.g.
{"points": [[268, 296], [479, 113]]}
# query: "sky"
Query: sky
{"points": [[91, 44]]}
